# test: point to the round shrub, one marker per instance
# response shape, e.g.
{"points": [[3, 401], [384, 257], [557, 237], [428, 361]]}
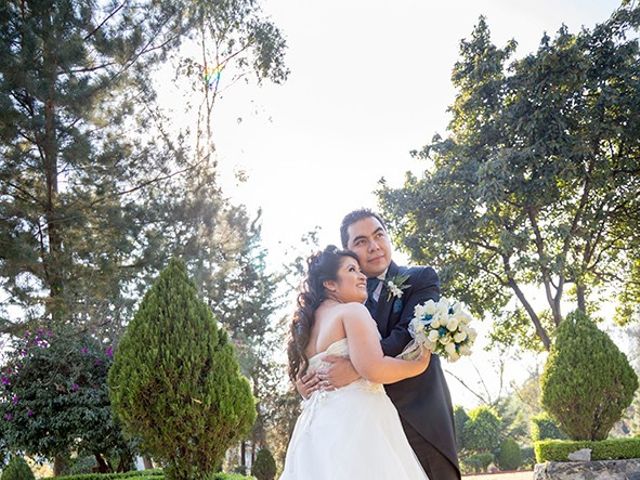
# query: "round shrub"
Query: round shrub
{"points": [[264, 468], [482, 430], [510, 456], [528, 458], [175, 382], [544, 428], [587, 381], [18, 469], [477, 463]]}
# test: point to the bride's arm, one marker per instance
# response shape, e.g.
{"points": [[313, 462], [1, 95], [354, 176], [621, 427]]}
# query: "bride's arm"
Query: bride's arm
{"points": [[366, 353]]}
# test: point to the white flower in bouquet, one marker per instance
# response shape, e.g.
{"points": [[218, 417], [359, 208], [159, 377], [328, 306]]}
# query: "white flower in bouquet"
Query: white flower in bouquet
{"points": [[464, 350], [452, 324], [452, 352], [433, 336], [460, 336], [442, 327], [472, 334], [442, 308], [424, 310]]}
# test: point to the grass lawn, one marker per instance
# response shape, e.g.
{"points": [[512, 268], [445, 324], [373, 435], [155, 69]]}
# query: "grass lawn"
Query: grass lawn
{"points": [[501, 476]]}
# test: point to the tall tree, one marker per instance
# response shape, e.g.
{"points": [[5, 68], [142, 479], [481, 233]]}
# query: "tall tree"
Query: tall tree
{"points": [[538, 181], [95, 190]]}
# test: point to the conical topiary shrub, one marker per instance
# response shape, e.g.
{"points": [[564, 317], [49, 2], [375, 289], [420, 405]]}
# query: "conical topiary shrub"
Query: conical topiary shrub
{"points": [[264, 468], [587, 381], [18, 469], [175, 382]]}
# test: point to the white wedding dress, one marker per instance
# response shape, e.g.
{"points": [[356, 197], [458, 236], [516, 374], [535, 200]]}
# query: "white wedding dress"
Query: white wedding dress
{"points": [[352, 433]]}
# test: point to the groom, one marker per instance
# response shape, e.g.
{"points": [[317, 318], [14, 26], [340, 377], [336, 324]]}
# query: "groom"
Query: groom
{"points": [[423, 402]]}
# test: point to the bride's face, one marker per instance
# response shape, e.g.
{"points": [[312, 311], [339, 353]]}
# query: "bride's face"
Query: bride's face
{"points": [[351, 283]]}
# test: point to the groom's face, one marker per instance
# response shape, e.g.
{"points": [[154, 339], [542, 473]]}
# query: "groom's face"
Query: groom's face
{"points": [[369, 241]]}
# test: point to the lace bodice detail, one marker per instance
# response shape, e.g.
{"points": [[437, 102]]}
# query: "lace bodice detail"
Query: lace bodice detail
{"points": [[340, 348]]}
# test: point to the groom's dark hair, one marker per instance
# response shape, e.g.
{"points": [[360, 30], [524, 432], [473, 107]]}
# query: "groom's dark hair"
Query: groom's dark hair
{"points": [[353, 217]]}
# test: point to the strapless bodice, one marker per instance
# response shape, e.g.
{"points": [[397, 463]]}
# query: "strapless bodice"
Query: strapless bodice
{"points": [[339, 348]]}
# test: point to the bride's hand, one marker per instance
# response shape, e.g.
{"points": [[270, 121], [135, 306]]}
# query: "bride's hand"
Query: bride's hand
{"points": [[424, 359]]}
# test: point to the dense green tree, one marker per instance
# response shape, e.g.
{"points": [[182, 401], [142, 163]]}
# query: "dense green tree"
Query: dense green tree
{"points": [[96, 189], [482, 430], [17, 469], [175, 381], [544, 428], [587, 381], [537, 182], [54, 399]]}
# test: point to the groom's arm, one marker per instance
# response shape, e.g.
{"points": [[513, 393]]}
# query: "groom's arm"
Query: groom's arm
{"points": [[425, 285]]}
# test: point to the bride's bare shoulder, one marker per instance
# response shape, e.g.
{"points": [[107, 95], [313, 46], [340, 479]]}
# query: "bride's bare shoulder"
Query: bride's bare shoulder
{"points": [[354, 310]]}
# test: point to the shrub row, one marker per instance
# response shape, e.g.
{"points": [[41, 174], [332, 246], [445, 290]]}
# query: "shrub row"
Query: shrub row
{"points": [[615, 449], [143, 475], [134, 475]]}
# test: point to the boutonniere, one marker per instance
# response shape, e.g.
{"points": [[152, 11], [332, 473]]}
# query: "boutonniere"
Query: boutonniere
{"points": [[396, 285]]}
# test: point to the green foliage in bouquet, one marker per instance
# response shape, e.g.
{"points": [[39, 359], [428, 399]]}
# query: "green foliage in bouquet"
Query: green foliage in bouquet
{"points": [[264, 468], [544, 428], [482, 430], [587, 381], [509, 456], [175, 381], [17, 470]]}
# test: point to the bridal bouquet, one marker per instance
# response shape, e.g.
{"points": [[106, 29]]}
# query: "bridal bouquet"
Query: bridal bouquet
{"points": [[442, 327]]}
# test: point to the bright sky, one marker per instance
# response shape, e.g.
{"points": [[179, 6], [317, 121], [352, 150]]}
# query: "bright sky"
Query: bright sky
{"points": [[370, 80]]}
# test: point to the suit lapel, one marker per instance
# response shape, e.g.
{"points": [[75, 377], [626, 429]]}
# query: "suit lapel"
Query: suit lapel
{"points": [[383, 312]]}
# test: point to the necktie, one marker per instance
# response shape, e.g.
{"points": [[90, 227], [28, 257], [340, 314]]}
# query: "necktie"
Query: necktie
{"points": [[371, 303]]}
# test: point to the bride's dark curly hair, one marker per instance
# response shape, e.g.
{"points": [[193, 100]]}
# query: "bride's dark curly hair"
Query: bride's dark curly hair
{"points": [[321, 267]]}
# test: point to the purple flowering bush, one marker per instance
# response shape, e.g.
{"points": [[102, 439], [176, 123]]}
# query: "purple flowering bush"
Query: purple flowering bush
{"points": [[54, 399]]}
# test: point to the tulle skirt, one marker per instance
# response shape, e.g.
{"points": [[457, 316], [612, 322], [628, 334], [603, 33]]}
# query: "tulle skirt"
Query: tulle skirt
{"points": [[353, 433]]}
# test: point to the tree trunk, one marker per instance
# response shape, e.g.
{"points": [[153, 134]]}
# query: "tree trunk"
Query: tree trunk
{"points": [[148, 464], [103, 466], [49, 145], [581, 293], [59, 465], [243, 452]]}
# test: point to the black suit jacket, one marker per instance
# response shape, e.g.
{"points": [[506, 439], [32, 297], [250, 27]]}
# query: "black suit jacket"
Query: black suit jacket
{"points": [[422, 401]]}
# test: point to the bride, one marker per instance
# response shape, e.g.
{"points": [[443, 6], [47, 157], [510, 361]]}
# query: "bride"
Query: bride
{"points": [[353, 432]]}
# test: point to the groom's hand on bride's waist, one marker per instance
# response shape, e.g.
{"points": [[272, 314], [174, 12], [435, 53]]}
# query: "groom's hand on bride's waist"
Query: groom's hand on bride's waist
{"points": [[339, 373], [308, 384]]}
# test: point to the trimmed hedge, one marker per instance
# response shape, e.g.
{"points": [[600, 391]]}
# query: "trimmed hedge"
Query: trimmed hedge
{"points": [[155, 474], [615, 449]]}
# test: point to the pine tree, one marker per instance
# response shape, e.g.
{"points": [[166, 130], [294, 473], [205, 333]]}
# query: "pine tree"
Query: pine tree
{"points": [[97, 188], [175, 381], [587, 381]]}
